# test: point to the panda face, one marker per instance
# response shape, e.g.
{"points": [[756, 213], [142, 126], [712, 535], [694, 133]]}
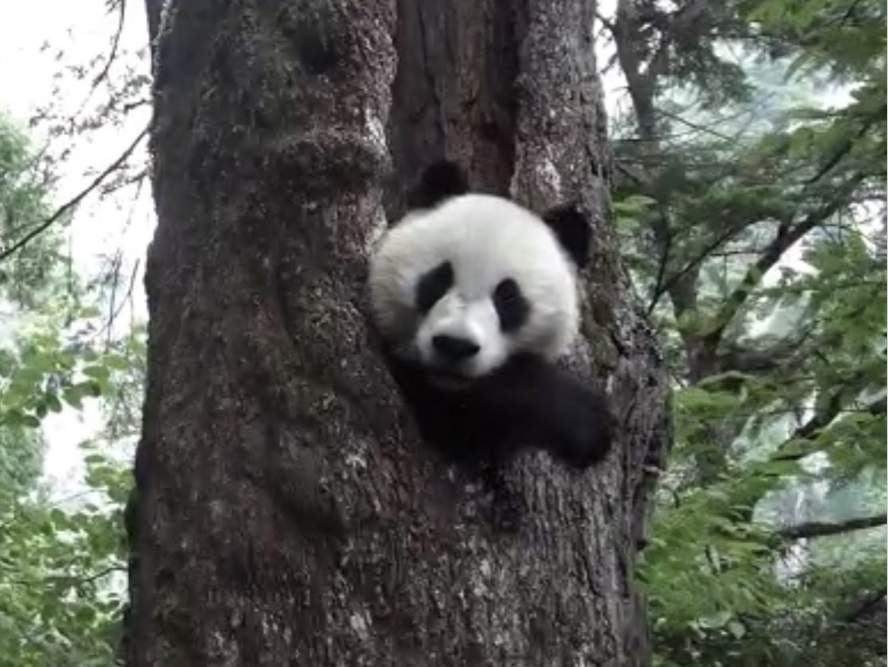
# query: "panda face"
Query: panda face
{"points": [[461, 287]]}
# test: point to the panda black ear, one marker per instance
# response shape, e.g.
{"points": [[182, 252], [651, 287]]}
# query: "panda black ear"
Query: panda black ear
{"points": [[573, 230], [440, 180]]}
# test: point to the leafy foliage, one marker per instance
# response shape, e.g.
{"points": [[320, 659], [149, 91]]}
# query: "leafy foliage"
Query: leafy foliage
{"points": [[61, 560], [766, 222], [61, 573], [25, 276]]}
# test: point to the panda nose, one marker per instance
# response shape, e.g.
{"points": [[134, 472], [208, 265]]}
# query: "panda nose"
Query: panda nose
{"points": [[455, 349]]}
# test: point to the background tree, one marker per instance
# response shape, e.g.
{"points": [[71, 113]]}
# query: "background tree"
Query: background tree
{"points": [[283, 510], [752, 224]]}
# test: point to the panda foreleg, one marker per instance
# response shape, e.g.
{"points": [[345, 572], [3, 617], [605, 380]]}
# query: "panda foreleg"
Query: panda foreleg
{"points": [[548, 408], [578, 421], [527, 402], [445, 419]]}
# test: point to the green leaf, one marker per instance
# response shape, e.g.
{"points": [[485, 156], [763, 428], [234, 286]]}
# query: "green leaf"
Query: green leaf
{"points": [[97, 372], [30, 421], [737, 629], [73, 396], [53, 403], [95, 459]]}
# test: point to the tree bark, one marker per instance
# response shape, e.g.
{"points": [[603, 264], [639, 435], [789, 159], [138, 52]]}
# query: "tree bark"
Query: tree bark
{"points": [[284, 511]]}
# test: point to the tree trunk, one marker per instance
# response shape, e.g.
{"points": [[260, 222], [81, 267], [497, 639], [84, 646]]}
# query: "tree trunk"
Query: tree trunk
{"points": [[284, 513]]}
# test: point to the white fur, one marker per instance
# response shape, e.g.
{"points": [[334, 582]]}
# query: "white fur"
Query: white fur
{"points": [[486, 239]]}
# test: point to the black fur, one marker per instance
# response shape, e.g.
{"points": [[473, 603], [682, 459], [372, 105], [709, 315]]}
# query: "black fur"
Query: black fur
{"points": [[526, 403], [511, 306], [573, 232], [433, 286], [438, 182]]}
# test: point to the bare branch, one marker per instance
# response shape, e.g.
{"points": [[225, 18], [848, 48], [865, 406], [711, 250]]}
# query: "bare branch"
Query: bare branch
{"points": [[824, 528], [73, 202], [665, 249], [68, 581], [607, 23], [114, 312], [115, 45], [696, 127], [112, 55]]}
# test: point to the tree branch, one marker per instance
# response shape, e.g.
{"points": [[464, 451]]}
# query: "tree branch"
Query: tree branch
{"points": [[847, 145], [667, 285], [866, 605], [73, 202], [664, 237], [753, 361], [823, 418], [607, 23], [824, 528], [112, 55], [701, 129], [680, 25], [785, 239]]}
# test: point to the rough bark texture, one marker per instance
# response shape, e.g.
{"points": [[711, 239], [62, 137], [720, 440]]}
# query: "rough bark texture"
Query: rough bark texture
{"points": [[284, 512]]}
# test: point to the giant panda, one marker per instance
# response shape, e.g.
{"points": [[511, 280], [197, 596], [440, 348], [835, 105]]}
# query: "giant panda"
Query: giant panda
{"points": [[474, 299]]}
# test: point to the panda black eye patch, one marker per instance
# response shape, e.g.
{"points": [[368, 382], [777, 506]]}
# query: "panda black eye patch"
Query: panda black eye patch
{"points": [[511, 306], [432, 286]]}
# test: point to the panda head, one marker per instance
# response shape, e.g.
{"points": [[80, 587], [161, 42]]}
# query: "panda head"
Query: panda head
{"points": [[466, 281]]}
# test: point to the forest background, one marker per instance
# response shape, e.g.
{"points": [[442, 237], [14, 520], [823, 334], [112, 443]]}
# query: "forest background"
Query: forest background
{"points": [[749, 192]]}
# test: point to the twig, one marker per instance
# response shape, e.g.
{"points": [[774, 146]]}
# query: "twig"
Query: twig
{"points": [[73, 202], [786, 238], [825, 528]]}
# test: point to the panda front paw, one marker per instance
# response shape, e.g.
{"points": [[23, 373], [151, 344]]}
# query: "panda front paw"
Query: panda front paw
{"points": [[583, 427], [583, 445]]}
